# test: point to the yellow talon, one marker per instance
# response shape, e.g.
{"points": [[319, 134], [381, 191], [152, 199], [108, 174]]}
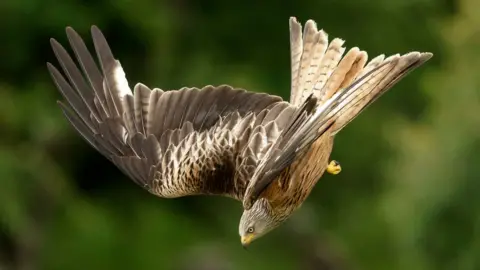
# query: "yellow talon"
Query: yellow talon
{"points": [[334, 167]]}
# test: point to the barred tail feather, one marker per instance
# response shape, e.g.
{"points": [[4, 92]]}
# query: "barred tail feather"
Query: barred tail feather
{"points": [[307, 51], [321, 68]]}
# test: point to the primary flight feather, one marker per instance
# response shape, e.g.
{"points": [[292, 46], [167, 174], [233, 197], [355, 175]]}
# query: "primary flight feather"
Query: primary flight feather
{"points": [[221, 140]]}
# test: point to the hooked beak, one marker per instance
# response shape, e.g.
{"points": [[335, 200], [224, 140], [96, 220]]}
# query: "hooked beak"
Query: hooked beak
{"points": [[246, 240]]}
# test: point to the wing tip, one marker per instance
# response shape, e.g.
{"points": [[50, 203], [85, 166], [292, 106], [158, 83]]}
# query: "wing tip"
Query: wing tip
{"points": [[69, 29], [95, 28], [54, 44], [60, 103], [97, 34]]}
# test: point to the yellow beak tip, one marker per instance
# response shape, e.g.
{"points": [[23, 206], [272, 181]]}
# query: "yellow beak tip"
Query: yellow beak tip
{"points": [[246, 240]]}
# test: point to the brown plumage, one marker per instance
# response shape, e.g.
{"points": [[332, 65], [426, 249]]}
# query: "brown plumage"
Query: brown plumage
{"points": [[221, 140]]}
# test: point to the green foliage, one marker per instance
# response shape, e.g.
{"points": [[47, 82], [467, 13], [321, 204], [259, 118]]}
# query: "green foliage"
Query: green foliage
{"points": [[406, 199]]}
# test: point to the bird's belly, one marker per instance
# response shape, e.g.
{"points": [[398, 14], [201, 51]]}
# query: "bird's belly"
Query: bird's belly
{"points": [[311, 167]]}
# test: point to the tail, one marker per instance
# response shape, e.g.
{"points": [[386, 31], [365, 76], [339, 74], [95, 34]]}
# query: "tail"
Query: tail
{"points": [[318, 68]]}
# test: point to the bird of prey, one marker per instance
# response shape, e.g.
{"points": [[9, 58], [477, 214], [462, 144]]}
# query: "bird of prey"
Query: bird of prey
{"points": [[222, 140]]}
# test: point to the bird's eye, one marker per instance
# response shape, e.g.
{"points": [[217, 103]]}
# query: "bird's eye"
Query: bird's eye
{"points": [[250, 230]]}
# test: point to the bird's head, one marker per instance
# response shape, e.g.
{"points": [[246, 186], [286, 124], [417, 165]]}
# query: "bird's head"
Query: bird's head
{"points": [[256, 222]]}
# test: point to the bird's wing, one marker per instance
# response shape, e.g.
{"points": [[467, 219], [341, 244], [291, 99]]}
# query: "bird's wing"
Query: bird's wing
{"points": [[330, 115], [173, 143], [360, 98]]}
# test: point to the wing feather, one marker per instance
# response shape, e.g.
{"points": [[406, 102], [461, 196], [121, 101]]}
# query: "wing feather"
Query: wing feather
{"points": [[378, 85], [141, 102], [153, 110], [172, 143], [129, 114], [91, 70]]}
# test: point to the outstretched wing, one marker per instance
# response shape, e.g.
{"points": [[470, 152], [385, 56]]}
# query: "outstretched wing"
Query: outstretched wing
{"points": [[173, 143]]}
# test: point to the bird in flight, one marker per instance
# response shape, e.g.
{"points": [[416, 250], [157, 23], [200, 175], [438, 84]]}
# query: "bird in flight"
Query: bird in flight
{"points": [[256, 148]]}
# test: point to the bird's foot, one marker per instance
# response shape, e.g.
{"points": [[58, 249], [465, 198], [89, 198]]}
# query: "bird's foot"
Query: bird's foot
{"points": [[334, 167]]}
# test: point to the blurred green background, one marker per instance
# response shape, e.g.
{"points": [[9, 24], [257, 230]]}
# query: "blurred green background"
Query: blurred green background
{"points": [[408, 196]]}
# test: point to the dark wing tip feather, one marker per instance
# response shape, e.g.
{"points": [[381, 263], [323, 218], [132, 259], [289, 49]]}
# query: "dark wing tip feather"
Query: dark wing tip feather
{"points": [[72, 35], [102, 48], [56, 46], [52, 41], [95, 28], [50, 67], [69, 30], [100, 42]]}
